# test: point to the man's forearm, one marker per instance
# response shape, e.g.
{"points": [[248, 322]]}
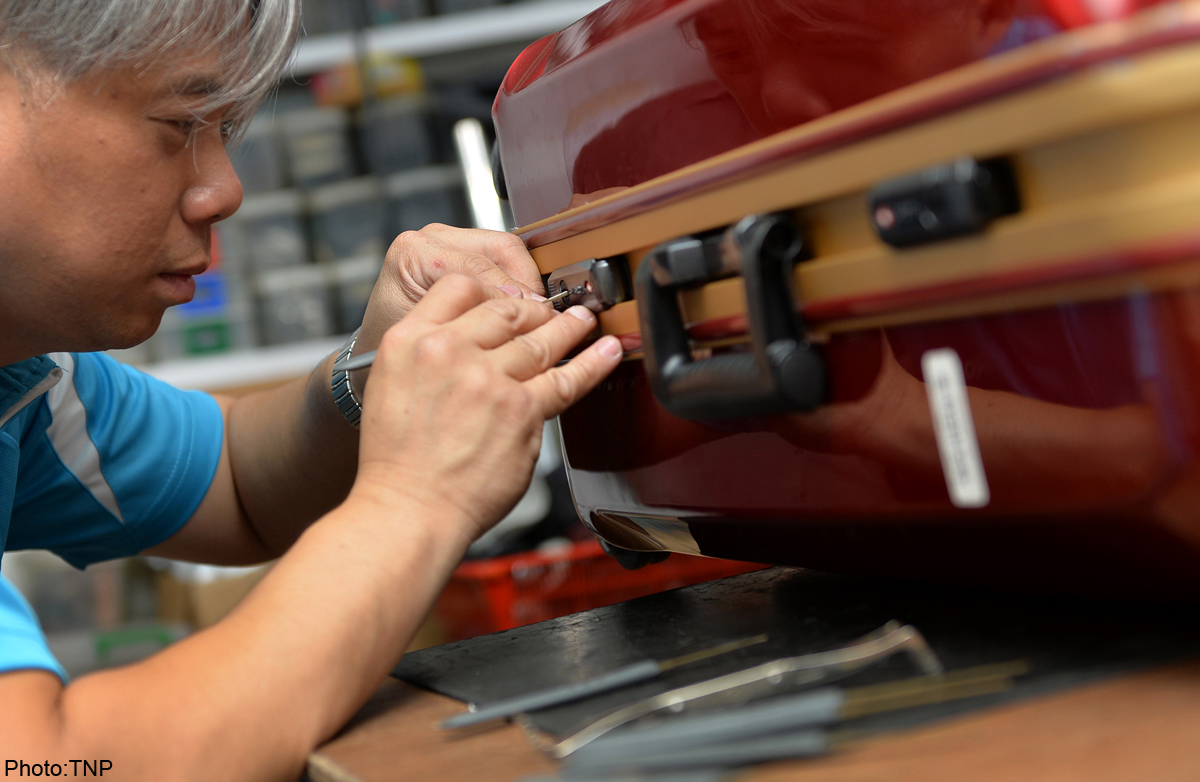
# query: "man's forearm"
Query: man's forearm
{"points": [[253, 694], [293, 457]]}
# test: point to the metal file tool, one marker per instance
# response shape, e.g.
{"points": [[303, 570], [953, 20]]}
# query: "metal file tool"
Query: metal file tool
{"points": [[735, 689], [621, 677], [777, 728]]}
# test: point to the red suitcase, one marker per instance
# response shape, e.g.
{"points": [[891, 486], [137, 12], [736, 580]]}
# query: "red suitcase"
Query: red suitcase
{"points": [[906, 291]]}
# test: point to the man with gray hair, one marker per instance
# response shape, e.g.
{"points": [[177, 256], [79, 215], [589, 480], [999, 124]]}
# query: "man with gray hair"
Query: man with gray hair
{"points": [[114, 120]]}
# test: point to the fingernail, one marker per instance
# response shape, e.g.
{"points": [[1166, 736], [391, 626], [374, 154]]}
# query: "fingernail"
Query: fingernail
{"points": [[511, 290], [537, 297], [610, 347], [583, 313]]}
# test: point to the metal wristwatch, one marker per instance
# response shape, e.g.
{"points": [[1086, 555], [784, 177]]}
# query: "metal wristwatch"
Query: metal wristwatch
{"points": [[343, 393]]}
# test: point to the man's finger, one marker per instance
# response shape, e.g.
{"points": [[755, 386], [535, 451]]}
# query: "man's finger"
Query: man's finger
{"points": [[557, 389], [450, 297], [490, 272], [533, 353], [504, 249], [522, 268], [426, 260], [494, 323]]}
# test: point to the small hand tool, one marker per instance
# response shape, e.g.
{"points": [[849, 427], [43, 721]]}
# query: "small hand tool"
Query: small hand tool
{"points": [[365, 360], [738, 687], [556, 298], [354, 362], [791, 726], [625, 675]]}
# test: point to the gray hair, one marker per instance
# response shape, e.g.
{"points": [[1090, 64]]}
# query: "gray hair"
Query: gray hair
{"points": [[253, 41]]}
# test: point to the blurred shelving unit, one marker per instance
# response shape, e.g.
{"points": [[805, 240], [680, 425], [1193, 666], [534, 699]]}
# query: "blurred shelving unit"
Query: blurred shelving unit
{"points": [[435, 35], [246, 369]]}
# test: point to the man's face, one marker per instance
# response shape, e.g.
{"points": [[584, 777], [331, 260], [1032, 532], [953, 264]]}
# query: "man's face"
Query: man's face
{"points": [[106, 202]]}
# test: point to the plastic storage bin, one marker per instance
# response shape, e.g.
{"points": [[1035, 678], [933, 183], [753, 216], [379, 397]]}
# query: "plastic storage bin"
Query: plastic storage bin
{"points": [[269, 230], [417, 198], [347, 219], [217, 319], [395, 134], [330, 16], [489, 595], [455, 6], [230, 247], [257, 158], [318, 147], [354, 279], [294, 304], [388, 11]]}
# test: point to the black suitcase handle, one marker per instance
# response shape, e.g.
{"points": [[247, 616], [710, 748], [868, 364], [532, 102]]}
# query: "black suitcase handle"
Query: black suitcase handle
{"points": [[782, 373]]}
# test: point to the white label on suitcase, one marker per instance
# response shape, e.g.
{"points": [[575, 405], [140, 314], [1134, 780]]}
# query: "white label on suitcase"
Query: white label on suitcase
{"points": [[954, 429]]}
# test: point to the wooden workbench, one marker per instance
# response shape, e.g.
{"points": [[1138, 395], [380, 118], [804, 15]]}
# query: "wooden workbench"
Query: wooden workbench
{"points": [[1113, 691], [1127, 728]]}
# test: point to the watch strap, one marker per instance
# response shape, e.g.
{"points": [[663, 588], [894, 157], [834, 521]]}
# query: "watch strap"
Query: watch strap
{"points": [[343, 393]]}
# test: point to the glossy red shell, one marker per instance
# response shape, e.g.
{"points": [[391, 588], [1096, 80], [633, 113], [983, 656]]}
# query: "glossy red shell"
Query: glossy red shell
{"points": [[641, 88], [1086, 414]]}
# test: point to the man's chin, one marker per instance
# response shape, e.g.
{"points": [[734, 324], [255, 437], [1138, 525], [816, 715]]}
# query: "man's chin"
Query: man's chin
{"points": [[130, 334]]}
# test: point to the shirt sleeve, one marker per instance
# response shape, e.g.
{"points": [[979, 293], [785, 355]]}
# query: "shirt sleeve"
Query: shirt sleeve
{"points": [[118, 463], [22, 642]]}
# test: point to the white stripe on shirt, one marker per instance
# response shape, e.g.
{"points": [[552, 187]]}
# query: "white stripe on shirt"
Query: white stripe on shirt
{"points": [[69, 435]]}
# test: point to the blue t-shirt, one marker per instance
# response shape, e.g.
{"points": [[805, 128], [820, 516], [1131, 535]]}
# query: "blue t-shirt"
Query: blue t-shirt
{"points": [[97, 461]]}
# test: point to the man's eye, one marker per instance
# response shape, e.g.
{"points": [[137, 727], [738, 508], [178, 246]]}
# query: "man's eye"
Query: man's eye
{"points": [[186, 126]]}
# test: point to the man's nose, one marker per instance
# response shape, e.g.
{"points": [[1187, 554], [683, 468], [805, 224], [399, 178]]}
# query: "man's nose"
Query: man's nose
{"points": [[215, 192]]}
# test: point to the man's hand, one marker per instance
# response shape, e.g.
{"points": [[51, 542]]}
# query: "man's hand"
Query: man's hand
{"points": [[461, 386], [290, 455], [418, 259]]}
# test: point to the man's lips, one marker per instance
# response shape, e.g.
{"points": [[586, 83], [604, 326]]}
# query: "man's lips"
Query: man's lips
{"points": [[182, 287], [192, 270]]}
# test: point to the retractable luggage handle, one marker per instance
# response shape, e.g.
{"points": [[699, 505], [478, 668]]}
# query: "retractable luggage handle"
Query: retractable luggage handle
{"points": [[782, 373]]}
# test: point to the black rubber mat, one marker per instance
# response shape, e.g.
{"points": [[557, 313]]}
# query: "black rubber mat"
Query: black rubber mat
{"points": [[1064, 642]]}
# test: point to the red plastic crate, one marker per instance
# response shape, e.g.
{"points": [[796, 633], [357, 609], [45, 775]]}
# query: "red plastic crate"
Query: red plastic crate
{"points": [[484, 596]]}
